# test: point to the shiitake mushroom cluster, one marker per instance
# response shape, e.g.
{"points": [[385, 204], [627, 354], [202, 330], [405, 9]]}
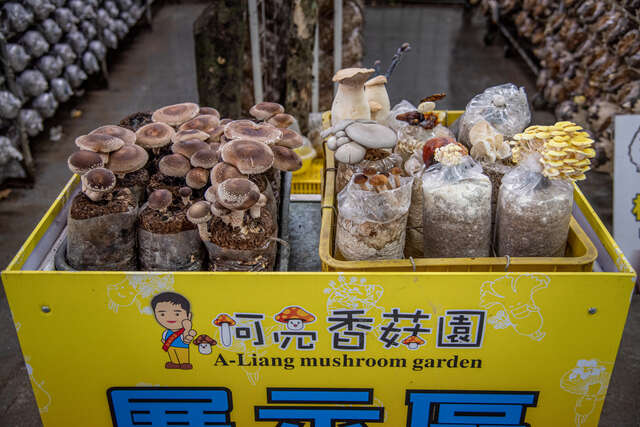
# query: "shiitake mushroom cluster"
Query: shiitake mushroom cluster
{"points": [[219, 174]]}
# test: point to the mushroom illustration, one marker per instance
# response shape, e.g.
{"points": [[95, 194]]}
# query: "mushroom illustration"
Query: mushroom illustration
{"points": [[294, 318], [375, 92], [128, 136], [175, 115], [350, 101], [225, 323], [204, 343], [154, 136], [413, 342]]}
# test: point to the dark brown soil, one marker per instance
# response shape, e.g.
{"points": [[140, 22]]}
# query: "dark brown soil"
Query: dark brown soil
{"points": [[173, 220], [259, 231], [136, 120], [159, 181], [374, 154], [261, 180], [84, 208], [139, 177]]}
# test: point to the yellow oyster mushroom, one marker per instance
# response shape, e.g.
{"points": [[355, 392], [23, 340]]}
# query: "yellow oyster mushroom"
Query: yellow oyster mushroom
{"points": [[564, 124], [573, 128]]}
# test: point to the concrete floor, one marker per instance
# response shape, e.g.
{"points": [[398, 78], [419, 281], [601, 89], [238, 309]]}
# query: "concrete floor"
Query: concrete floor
{"points": [[157, 68]]}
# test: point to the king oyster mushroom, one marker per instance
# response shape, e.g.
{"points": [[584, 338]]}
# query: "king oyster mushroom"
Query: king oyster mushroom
{"points": [[350, 101]]}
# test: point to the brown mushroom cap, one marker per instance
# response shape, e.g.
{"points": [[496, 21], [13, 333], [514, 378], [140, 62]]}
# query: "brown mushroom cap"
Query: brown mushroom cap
{"points": [[209, 111], [246, 129], [189, 147], [184, 135], [197, 178], [294, 313], [238, 194], [160, 199], [223, 318], [379, 180], [266, 110], [250, 157], [206, 123], [176, 114], [350, 76], [128, 159], [285, 159], [205, 158], [224, 122], [154, 135], [82, 162], [174, 165], [282, 120], [204, 339], [210, 194], [215, 134], [185, 192], [99, 143], [126, 135], [222, 172], [290, 139], [99, 180], [199, 213]]}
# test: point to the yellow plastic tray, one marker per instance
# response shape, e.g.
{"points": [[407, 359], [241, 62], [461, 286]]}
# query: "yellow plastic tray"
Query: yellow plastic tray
{"points": [[310, 181], [580, 256]]}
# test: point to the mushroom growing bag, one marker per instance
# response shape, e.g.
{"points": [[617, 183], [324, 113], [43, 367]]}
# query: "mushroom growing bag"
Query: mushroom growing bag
{"points": [[347, 171], [457, 211], [180, 251], [372, 225], [533, 213]]}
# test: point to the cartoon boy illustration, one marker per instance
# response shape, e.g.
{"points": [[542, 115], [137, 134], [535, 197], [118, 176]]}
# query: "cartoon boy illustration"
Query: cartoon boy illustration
{"points": [[173, 312]]}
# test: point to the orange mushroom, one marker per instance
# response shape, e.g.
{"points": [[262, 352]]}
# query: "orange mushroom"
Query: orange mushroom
{"points": [[413, 342], [295, 318], [224, 322]]}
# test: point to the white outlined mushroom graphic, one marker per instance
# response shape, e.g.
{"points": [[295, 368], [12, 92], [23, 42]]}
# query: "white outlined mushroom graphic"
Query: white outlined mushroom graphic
{"points": [[224, 322]]}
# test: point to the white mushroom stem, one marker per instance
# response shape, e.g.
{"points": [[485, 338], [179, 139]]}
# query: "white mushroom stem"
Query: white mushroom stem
{"points": [[225, 334], [237, 218], [413, 346], [185, 200], [104, 157], [350, 103], [204, 232], [96, 196], [254, 211]]}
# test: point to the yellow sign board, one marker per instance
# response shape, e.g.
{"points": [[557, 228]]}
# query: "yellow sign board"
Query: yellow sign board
{"points": [[435, 349]]}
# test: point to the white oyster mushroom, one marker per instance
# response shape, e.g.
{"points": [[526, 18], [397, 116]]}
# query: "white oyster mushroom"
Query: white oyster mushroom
{"points": [[350, 153], [487, 143], [372, 135], [426, 107]]}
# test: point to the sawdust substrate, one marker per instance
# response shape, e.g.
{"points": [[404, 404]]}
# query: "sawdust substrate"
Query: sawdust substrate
{"points": [[83, 207], [159, 181], [173, 220], [139, 177], [259, 231], [374, 154], [136, 120]]}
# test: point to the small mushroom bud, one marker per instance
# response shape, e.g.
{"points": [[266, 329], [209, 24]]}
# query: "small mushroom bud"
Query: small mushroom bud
{"points": [[185, 194], [379, 182], [97, 183], [197, 178], [160, 200], [82, 162], [396, 172], [361, 180], [254, 211], [199, 214], [370, 172]]}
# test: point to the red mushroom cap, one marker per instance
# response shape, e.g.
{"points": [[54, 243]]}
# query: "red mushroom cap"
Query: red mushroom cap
{"points": [[291, 313], [223, 318]]}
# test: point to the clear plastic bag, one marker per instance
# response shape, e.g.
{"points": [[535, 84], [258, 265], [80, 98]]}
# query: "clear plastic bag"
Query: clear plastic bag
{"points": [[110, 39], [533, 213], [35, 43], [228, 259], [50, 66], [412, 138], [90, 63], [98, 49], [61, 90], [457, 211], [495, 171], [74, 75], [346, 171], [89, 30], [104, 20], [180, 251], [120, 28], [51, 31], [19, 17], [40, 8], [373, 225], [403, 106], [111, 8], [125, 4], [32, 83], [64, 51], [505, 107], [414, 245], [46, 105], [9, 105], [77, 41], [128, 19], [17, 57], [32, 121], [65, 19]]}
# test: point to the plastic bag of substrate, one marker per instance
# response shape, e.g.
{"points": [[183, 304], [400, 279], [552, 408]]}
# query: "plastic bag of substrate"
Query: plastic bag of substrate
{"points": [[372, 225], [533, 213], [414, 242], [180, 251], [505, 107], [229, 259], [376, 159], [457, 211]]}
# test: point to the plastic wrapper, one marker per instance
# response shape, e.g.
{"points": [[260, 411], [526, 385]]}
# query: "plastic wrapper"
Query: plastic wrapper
{"points": [[90, 63], [180, 251], [65, 19], [89, 30], [372, 225], [51, 31], [109, 38], [457, 211], [120, 28], [74, 75], [58, 3], [46, 104], [81, 10], [227, 259], [9, 105], [77, 41], [128, 19], [35, 43], [32, 83], [137, 12], [32, 121], [8, 153], [495, 171], [104, 20], [111, 8], [505, 107], [346, 171], [41, 8], [50, 66], [533, 214], [17, 57], [412, 138], [64, 51], [61, 89], [103, 243], [403, 106], [124, 4], [414, 245], [98, 49], [18, 16]]}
